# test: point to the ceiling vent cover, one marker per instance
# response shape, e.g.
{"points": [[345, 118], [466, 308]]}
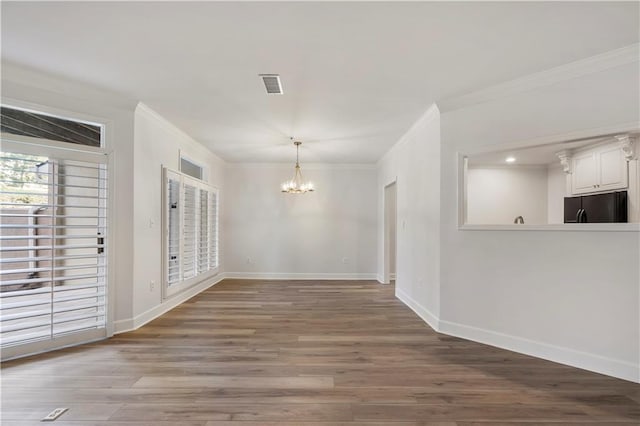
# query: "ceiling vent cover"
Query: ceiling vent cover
{"points": [[272, 83]]}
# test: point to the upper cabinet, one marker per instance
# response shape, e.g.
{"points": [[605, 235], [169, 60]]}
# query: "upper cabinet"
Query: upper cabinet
{"points": [[585, 173], [598, 169]]}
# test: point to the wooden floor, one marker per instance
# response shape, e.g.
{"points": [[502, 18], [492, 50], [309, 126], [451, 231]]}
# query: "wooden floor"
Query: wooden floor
{"points": [[304, 353]]}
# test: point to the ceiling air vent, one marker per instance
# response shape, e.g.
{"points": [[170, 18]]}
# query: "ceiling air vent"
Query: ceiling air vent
{"points": [[272, 83]]}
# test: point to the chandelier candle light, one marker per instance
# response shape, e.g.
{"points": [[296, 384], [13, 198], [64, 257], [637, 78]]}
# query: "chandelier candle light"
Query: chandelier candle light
{"points": [[297, 185]]}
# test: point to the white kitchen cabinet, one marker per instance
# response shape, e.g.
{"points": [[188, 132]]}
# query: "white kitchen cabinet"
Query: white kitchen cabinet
{"points": [[603, 168]]}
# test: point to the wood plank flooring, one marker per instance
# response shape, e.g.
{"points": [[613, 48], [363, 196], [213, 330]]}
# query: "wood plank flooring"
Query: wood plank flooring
{"points": [[304, 353]]}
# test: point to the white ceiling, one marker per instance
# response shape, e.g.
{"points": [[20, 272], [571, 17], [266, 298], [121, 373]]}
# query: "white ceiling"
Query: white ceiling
{"points": [[355, 75]]}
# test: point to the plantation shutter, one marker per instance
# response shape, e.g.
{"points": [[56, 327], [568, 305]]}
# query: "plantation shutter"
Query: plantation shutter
{"points": [[53, 239], [203, 234], [173, 214], [213, 230], [191, 231]]}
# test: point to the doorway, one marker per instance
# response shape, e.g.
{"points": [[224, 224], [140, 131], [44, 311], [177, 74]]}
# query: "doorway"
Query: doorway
{"points": [[390, 232]]}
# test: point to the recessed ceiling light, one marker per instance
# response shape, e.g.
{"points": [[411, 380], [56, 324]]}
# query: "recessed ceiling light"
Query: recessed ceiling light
{"points": [[510, 159]]}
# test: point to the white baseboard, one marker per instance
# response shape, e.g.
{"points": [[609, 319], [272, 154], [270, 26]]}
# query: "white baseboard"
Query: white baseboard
{"points": [[421, 311], [138, 321], [380, 278], [123, 325], [586, 361], [299, 276]]}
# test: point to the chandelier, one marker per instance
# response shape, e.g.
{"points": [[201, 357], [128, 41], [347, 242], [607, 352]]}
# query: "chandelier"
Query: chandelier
{"points": [[297, 185]]}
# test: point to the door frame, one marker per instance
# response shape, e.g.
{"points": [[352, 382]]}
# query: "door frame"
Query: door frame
{"points": [[386, 240]]}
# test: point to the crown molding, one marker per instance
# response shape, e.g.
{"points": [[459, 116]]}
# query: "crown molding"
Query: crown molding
{"points": [[599, 134], [591, 65], [431, 113], [169, 127], [518, 167], [166, 124], [16, 77], [304, 166]]}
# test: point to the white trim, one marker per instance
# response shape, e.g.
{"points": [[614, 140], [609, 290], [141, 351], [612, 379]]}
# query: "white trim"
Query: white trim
{"points": [[163, 122], [20, 75], [305, 166], [564, 227], [172, 128], [594, 64], [386, 240], [300, 276], [461, 188], [493, 166], [586, 361], [426, 315], [380, 279], [392, 276], [36, 145], [45, 346], [130, 324], [123, 326], [630, 127], [432, 112]]}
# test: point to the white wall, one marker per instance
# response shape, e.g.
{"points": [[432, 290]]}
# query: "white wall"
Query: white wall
{"points": [[27, 88], [157, 144], [497, 195], [329, 233], [413, 163], [568, 296], [556, 191]]}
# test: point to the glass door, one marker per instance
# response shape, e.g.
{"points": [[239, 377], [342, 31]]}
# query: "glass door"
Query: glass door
{"points": [[53, 245]]}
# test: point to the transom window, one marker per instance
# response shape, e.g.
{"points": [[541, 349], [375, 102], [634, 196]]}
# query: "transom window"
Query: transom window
{"points": [[38, 125]]}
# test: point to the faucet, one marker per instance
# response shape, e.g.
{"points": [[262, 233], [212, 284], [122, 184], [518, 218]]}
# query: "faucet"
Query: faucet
{"points": [[519, 220]]}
